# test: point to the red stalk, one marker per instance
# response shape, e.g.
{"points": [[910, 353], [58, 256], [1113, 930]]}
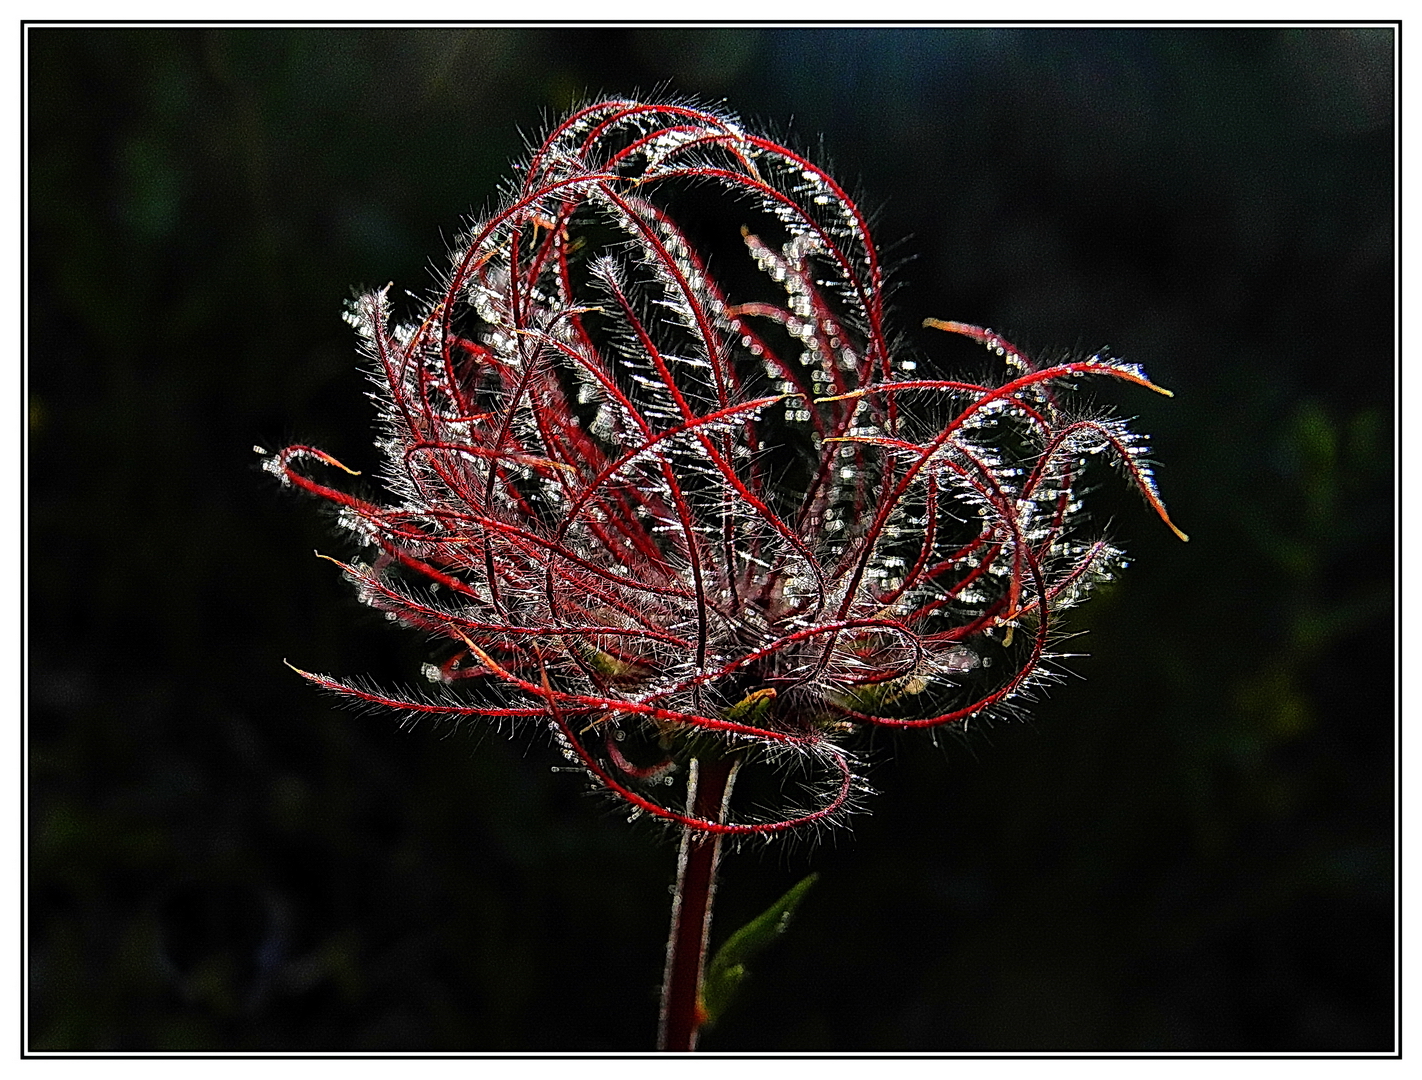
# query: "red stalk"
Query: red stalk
{"points": [[708, 791]]}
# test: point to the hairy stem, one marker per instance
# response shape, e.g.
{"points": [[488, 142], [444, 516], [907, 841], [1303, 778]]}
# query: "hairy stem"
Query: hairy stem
{"points": [[708, 789]]}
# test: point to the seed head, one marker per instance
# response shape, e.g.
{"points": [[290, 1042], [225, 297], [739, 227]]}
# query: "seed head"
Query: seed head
{"points": [[669, 497]]}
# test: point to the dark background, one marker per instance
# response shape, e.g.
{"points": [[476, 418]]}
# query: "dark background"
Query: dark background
{"points": [[1188, 849]]}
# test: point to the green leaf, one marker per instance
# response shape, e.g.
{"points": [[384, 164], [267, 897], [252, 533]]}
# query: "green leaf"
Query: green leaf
{"points": [[752, 708], [728, 966]]}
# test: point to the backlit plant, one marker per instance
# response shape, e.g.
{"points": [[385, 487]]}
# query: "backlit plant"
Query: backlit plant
{"points": [[692, 508]]}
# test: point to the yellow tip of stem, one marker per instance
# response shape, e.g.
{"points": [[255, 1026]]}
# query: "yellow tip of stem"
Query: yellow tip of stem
{"points": [[1160, 510], [484, 658], [329, 460]]}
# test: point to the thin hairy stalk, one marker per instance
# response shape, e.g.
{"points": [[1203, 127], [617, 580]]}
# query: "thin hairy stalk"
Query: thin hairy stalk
{"points": [[708, 790]]}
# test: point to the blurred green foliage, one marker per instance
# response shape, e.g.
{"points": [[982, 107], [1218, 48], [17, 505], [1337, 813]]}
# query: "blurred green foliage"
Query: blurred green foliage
{"points": [[1189, 848]]}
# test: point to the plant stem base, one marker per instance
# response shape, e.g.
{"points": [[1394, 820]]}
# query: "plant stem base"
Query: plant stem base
{"points": [[708, 789]]}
